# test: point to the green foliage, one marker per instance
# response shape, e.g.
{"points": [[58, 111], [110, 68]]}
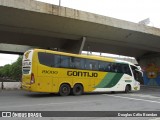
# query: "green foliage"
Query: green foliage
{"points": [[13, 71]]}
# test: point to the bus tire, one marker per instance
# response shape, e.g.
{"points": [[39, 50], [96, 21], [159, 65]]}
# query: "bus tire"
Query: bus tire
{"points": [[77, 89], [64, 90], [127, 89]]}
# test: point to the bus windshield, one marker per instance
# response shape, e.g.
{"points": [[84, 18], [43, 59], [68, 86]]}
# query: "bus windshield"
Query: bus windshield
{"points": [[137, 73]]}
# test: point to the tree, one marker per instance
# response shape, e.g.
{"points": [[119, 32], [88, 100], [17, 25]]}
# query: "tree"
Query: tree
{"points": [[16, 69], [1, 68], [13, 71], [6, 71]]}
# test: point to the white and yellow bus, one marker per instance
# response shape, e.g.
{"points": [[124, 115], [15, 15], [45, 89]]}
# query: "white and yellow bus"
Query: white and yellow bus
{"points": [[65, 73]]}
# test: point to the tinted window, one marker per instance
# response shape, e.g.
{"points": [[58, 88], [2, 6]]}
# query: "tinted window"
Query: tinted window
{"points": [[113, 67], [137, 75], [91, 64], [77, 63], [126, 69], [83, 65], [119, 68], [65, 60], [46, 58], [53, 60], [57, 60], [104, 66]]}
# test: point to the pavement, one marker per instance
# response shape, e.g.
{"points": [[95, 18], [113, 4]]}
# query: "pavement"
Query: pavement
{"points": [[147, 99]]}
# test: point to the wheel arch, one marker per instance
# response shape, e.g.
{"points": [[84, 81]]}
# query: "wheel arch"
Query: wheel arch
{"points": [[65, 83], [78, 83], [130, 86]]}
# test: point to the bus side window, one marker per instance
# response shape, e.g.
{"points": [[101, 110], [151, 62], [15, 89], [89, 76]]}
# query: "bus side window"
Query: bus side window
{"points": [[91, 64], [108, 67], [87, 65], [119, 68], [57, 61], [94, 64], [126, 69], [104, 66], [45, 58], [83, 66], [112, 68], [72, 62], [101, 66], [77, 63], [65, 61]]}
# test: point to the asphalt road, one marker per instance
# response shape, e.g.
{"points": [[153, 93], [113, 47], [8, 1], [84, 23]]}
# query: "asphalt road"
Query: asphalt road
{"points": [[147, 99]]}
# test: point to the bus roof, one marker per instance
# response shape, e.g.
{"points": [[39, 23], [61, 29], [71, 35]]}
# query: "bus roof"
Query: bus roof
{"points": [[84, 56]]}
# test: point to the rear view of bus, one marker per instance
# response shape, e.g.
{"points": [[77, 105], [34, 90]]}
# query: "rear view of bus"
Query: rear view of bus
{"points": [[27, 75]]}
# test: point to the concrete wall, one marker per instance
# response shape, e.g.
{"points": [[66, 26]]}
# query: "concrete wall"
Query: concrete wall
{"points": [[151, 69], [10, 85]]}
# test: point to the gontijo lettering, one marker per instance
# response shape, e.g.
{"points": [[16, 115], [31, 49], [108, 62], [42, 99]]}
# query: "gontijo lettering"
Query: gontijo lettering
{"points": [[82, 74]]}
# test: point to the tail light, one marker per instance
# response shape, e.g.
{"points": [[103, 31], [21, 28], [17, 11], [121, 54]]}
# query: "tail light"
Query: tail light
{"points": [[32, 79]]}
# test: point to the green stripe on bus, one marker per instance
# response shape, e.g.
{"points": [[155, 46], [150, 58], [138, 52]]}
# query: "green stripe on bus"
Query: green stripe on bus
{"points": [[115, 80], [106, 80]]}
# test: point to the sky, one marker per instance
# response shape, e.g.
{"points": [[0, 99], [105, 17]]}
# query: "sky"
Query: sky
{"points": [[7, 59], [129, 10]]}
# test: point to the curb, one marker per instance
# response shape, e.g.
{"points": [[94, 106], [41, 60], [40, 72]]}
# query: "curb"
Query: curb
{"points": [[10, 85]]}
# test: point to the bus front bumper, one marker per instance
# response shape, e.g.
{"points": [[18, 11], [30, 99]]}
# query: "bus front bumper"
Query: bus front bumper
{"points": [[136, 86]]}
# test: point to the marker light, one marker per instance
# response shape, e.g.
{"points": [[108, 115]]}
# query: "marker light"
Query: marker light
{"points": [[32, 79]]}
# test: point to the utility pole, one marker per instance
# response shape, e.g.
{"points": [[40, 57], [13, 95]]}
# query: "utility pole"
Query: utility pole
{"points": [[59, 7], [59, 3]]}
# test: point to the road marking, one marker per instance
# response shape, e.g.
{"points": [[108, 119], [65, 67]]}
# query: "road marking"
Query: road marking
{"points": [[49, 104], [143, 95], [155, 118], [135, 99]]}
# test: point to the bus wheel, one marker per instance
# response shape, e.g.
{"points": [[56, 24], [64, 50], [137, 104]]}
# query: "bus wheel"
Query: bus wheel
{"points": [[64, 90], [77, 89], [127, 89]]}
